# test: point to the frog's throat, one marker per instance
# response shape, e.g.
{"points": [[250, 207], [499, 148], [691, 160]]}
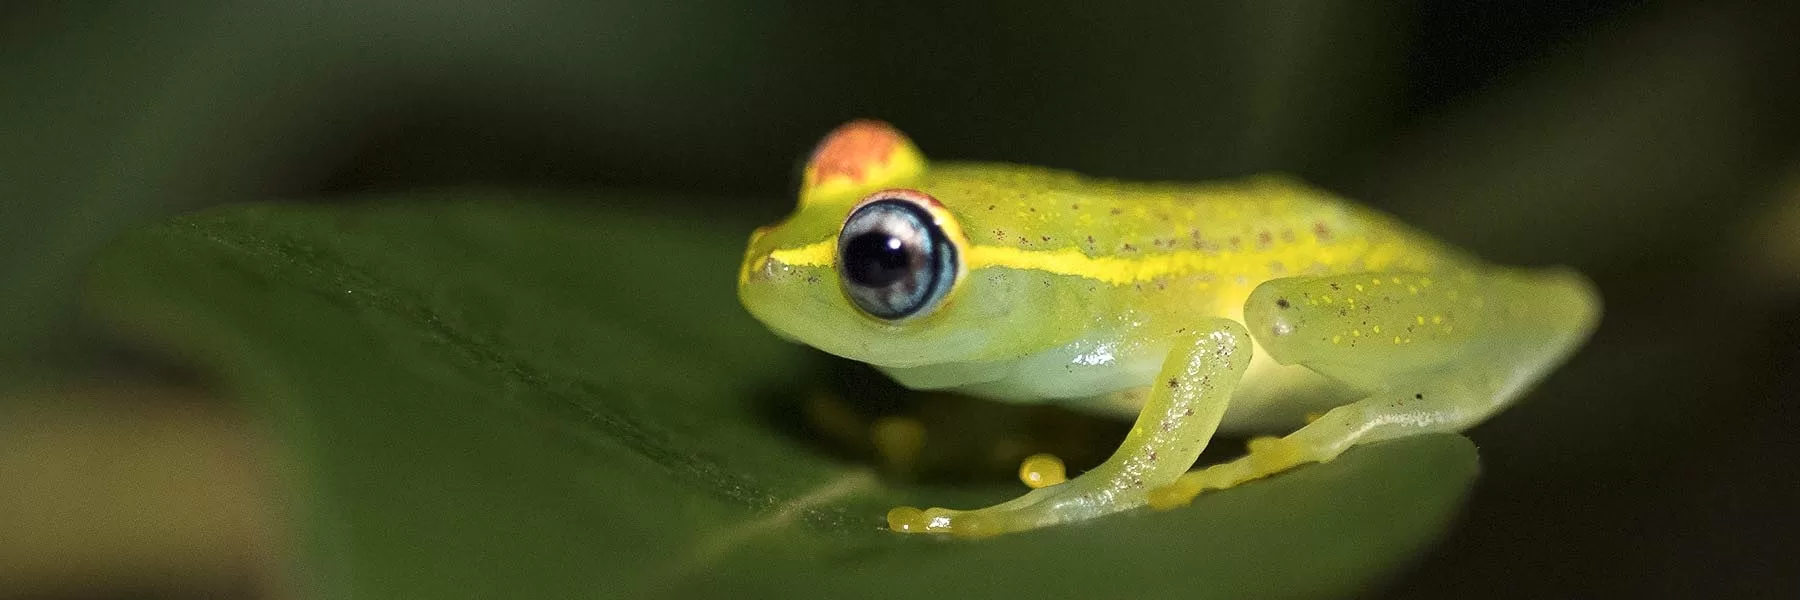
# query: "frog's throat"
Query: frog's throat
{"points": [[1115, 270]]}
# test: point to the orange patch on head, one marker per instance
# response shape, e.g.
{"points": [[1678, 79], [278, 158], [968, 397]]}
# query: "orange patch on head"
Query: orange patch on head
{"points": [[853, 149], [857, 158]]}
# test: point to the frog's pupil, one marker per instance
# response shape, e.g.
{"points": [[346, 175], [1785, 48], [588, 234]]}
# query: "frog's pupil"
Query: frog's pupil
{"points": [[876, 259]]}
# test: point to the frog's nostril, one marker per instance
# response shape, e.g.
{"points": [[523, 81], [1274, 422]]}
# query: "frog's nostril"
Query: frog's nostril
{"points": [[765, 267], [755, 269], [758, 268]]}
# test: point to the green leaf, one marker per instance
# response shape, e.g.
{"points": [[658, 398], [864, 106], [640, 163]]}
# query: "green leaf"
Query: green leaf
{"points": [[482, 397]]}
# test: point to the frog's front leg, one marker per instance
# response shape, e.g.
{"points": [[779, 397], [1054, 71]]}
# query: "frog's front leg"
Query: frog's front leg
{"points": [[1433, 352], [1181, 413]]}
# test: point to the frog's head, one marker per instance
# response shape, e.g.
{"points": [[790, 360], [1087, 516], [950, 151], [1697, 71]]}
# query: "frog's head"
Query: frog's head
{"points": [[870, 266]]}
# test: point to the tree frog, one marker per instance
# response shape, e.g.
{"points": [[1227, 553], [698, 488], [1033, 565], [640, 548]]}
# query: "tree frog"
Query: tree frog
{"points": [[1253, 306]]}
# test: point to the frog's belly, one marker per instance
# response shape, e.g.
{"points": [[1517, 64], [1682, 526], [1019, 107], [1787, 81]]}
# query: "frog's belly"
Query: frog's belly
{"points": [[1272, 397]]}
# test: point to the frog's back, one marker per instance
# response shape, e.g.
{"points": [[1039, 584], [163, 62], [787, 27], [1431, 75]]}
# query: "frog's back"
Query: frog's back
{"points": [[1240, 233]]}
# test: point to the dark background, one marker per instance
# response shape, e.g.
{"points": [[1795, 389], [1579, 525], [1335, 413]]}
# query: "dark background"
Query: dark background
{"points": [[1651, 145]]}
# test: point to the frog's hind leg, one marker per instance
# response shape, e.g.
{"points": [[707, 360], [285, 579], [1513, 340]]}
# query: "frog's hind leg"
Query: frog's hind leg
{"points": [[1434, 352], [1180, 414]]}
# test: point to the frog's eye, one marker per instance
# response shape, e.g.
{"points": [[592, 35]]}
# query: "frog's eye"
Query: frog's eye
{"points": [[894, 258]]}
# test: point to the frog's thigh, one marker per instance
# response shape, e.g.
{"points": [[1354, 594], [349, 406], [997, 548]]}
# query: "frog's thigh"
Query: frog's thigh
{"points": [[1432, 352], [1180, 414]]}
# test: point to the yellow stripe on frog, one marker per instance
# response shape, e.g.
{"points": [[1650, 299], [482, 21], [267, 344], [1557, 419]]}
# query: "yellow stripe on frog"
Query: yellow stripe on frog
{"points": [[1124, 271]]}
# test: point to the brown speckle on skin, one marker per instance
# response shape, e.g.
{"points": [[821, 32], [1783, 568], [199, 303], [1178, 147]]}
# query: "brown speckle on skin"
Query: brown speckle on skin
{"points": [[1335, 287], [1000, 234], [1320, 230], [1130, 248], [1045, 237], [990, 207], [1074, 207], [1174, 383], [1287, 235], [1282, 303], [1116, 212], [1263, 239]]}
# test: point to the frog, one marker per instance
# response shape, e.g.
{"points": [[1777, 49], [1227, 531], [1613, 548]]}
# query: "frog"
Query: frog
{"points": [[1260, 306]]}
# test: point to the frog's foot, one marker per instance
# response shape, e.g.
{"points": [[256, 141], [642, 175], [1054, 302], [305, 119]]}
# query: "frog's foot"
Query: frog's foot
{"points": [[961, 523], [1069, 501], [1037, 472], [1268, 456]]}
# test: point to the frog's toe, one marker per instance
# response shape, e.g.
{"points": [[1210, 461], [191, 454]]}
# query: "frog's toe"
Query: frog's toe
{"points": [[1271, 455], [1041, 471], [1041, 507], [961, 523], [1175, 495], [906, 519], [1268, 456], [1183, 491]]}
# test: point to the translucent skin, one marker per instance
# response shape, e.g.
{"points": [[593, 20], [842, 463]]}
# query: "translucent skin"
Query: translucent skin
{"points": [[1241, 305]]}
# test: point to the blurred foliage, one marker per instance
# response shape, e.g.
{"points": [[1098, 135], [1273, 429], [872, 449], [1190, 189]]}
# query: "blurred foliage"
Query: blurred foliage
{"points": [[1640, 142], [138, 487]]}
